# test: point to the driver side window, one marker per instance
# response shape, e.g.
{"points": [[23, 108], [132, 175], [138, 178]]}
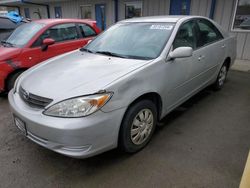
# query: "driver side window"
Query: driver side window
{"points": [[186, 36], [60, 33]]}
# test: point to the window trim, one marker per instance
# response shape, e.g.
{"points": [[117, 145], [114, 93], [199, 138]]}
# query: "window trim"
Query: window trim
{"points": [[233, 21]]}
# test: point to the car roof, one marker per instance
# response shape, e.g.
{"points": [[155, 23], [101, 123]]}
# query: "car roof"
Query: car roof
{"points": [[169, 19], [59, 21]]}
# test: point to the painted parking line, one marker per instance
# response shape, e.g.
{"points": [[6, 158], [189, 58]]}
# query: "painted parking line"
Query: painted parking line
{"points": [[245, 180]]}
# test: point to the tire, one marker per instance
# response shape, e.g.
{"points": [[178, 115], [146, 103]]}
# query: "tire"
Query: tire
{"points": [[142, 126], [221, 78], [12, 79]]}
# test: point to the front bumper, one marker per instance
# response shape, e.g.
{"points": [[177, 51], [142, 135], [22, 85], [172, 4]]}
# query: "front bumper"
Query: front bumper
{"points": [[74, 137]]}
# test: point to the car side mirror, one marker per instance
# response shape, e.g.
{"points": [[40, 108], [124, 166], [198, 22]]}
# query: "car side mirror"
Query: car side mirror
{"points": [[181, 52], [47, 42]]}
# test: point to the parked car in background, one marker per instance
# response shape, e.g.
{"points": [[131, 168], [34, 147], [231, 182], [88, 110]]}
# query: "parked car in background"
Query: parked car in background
{"points": [[39, 40], [245, 24], [113, 91], [7, 26]]}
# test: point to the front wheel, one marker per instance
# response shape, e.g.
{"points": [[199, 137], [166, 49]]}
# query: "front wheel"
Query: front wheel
{"points": [[221, 78], [138, 126]]}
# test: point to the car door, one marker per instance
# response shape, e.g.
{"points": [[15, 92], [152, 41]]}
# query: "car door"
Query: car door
{"points": [[66, 37], [211, 42], [182, 71]]}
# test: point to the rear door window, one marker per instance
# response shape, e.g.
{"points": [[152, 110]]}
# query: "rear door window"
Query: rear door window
{"points": [[208, 33], [86, 30]]}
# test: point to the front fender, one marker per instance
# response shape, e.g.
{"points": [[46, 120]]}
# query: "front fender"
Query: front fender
{"points": [[132, 86], [5, 70], [126, 94]]}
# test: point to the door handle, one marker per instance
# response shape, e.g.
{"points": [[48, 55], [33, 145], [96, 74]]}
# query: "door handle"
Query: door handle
{"points": [[223, 46], [201, 57]]}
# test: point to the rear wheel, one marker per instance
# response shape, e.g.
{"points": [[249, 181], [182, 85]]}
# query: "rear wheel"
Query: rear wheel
{"points": [[138, 126], [12, 79], [221, 78]]}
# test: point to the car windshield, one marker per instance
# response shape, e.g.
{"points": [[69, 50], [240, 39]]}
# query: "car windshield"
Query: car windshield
{"points": [[132, 40], [23, 34]]}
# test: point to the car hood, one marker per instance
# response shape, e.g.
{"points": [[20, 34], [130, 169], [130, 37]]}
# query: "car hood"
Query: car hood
{"points": [[8, 53], [75, 74]]}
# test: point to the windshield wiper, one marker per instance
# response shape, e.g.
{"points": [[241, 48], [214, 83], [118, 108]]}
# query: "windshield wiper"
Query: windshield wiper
{"points": [[111, 54], [86, 50], [114, 54], [4, 42]]}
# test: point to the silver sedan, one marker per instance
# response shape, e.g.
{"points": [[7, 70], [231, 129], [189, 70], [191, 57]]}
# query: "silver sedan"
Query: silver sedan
{"points": [[113, 91]]}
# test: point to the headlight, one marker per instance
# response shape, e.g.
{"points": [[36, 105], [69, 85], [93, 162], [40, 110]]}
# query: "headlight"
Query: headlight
{"points": [[79, 106]]}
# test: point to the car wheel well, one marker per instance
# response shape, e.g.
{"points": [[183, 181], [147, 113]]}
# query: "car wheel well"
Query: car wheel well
{"points": [[227, 62], [155, 98], [11, 74]]}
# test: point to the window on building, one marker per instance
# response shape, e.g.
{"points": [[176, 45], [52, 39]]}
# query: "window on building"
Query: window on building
{"points": [[86, 30], [133, 9], [241, 19], [86, 11], [27, 12], [180, 7], [58, 12]]}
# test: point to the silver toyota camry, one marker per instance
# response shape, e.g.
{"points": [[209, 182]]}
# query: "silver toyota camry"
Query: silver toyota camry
{"points": [[113, 91]]}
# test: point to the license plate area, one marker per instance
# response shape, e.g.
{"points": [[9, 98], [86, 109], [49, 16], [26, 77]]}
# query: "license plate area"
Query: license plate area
{"points": [[20, 124]]}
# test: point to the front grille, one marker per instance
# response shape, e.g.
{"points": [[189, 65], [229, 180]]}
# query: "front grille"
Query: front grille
{"points": [[34, 100]]}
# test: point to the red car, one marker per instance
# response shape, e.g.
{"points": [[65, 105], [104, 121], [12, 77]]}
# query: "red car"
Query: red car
{"points": [[39, 40]]}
